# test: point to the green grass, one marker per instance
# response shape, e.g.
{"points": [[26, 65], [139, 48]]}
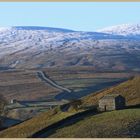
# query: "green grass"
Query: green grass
{"points": [[109, 124]]}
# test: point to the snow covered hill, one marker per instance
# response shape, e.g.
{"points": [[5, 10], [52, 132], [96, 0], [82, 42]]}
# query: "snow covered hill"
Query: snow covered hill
{"points": [[115, 48], [124, 29]]}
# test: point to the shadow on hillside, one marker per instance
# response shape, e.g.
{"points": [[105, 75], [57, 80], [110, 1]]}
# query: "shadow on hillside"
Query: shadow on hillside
{"points": [[8, 122], [87, 90], [133, 106], [46, 132]]}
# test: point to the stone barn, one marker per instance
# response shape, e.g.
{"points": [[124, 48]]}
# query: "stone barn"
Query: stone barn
{"points": [[111, 102], [13, 101]]}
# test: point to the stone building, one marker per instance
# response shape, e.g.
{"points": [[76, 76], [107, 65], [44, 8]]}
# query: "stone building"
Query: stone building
{"points": [[13, 101], [111, 102]]}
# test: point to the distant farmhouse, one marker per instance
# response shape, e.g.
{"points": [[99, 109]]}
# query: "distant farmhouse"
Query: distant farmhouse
{"points": [[13, 101], [111, 102]]}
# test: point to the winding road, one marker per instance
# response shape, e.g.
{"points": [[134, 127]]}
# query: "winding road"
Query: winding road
{"points": [[43, 76]]}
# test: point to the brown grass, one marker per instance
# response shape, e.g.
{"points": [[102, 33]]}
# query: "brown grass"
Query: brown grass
{"points": [[28, 128], [24, 85], [129, 89]]}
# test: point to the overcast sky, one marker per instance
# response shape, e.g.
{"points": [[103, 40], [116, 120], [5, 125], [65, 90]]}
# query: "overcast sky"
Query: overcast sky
{"points": [[84, 16]]}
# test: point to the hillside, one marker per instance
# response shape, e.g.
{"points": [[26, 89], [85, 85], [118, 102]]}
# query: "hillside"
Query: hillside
{"points": [[39, 122], [127, 120], [115, 124], [42, 47], [34, 95], [129, 89], [124, 29]]}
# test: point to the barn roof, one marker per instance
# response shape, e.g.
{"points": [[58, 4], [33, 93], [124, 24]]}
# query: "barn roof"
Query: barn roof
{"points": [[110, 96]]}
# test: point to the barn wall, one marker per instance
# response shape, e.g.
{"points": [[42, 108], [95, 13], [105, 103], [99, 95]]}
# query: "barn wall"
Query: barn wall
{"points": [[109, 103]]}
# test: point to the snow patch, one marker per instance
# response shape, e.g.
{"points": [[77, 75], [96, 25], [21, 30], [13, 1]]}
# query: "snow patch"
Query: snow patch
{"points": [[124, 29]]}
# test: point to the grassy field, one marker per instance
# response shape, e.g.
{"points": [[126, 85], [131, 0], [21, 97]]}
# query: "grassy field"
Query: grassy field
{"points": [[85, 80], [122, 123], [24, 85]]}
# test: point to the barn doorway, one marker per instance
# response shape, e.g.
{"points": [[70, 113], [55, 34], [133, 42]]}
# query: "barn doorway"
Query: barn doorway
{"points": [[105, 108]]}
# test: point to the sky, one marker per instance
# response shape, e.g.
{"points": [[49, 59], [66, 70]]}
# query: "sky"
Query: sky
{"points": [[81, 16]]}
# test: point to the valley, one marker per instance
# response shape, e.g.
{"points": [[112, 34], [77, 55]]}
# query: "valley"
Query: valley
{"points": [[34, 95], [65, 122], [53, 78]]}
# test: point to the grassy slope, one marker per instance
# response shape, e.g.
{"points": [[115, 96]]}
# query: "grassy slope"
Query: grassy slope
{"points": [[129, 89], [28, 128], [109, 124]]}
